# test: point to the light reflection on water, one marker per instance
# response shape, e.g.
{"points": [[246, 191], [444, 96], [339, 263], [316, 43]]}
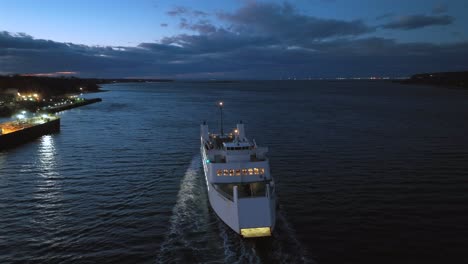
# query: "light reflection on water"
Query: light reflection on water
{"points": [[2, 165], [2, 161], [47, 154], [48, 185]]}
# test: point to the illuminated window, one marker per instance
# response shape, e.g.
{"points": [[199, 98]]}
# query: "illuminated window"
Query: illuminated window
{"points": [[226, 172], [238, 172], [262, 171], [219, 172], [256, 171], [231, 172], [250, 171], [244, 171]]}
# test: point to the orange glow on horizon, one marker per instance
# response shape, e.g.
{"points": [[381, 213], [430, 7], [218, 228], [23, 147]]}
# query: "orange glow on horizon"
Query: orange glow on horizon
{"points": [[50, 74]]}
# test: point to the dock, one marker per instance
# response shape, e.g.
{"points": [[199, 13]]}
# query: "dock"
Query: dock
{"points": [[20, 131], [69, 105]]}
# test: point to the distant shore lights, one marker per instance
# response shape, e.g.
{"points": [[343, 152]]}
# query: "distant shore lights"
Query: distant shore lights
{"points": [[28, 97], [21, 115]]}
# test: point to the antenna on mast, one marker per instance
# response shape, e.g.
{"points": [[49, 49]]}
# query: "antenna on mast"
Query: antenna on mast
{"points": [[220, 105]]}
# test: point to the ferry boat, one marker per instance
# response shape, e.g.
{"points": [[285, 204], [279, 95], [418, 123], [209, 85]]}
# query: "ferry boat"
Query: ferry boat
{"points": [[241, 189]]}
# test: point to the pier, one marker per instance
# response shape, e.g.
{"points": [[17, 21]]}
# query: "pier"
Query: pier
{"points": [[26, 129], [40, 120], [69, 105]]}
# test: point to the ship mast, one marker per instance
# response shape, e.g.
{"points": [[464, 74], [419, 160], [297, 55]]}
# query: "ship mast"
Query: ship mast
{"points": [[220, 105]]}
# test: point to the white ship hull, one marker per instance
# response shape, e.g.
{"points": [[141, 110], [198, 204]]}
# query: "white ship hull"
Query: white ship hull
{"points": [[241, 191]]}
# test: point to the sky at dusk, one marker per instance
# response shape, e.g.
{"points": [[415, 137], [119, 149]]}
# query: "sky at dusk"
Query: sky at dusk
{"points": [[185, 39]]}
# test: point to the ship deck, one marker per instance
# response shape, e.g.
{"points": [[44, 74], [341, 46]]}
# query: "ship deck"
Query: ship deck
{"points": [[217, 140]]}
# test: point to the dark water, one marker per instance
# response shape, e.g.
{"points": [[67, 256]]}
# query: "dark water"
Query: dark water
{"points": [[368, 172]]}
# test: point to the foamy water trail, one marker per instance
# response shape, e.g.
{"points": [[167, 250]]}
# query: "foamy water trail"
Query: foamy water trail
{"points": [[282, 247], [196, 235], [236, 249], [285, 247], [190, 234]]}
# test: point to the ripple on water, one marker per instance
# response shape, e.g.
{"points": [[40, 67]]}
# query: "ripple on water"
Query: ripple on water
{"points": [[364, 170]]}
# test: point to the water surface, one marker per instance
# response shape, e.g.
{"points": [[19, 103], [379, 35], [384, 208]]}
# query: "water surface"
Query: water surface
{"points": [[367, 172]]}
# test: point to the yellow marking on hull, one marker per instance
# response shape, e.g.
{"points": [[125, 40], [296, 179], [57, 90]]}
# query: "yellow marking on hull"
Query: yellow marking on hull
{"points": [[256, 232]]}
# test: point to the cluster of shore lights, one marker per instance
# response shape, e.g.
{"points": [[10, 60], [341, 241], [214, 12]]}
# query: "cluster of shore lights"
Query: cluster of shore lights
{"points": [[62, 103], [239, 172], [29, 97], [72, 99], [24, 121], [22, 115]]}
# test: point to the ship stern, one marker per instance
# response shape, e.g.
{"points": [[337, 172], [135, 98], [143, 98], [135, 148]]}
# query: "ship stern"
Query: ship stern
{"points": [[257, 216]]}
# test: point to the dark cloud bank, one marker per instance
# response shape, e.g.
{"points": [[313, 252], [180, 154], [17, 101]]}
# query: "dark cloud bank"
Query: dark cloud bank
{"points": [[419, 21], [259, 40]]}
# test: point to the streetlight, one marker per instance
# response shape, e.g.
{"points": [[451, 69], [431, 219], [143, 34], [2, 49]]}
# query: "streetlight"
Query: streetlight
{"points": [[221, 104]]}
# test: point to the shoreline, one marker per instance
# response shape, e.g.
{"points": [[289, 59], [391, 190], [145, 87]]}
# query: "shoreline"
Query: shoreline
{"points": [[449, 80]]}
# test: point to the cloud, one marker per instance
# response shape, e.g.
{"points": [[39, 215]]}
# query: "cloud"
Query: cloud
{"points": [[50, 74], [216, 42], [287, 23], [202, 26], [440, 9], [259, 40], [184, 11], [21, 53], [22, 40], [419, 21], [177, 11], [385, 16]]}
